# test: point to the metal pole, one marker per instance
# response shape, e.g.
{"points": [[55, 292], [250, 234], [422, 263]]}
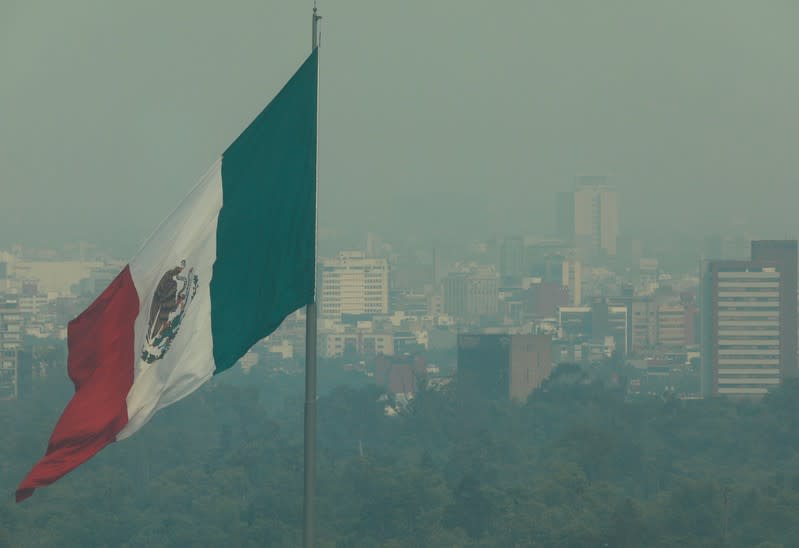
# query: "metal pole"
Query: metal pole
{"points": [[309, 514]]}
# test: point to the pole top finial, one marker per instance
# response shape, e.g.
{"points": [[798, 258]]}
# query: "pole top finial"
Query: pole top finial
{"points": [[315, 27]]}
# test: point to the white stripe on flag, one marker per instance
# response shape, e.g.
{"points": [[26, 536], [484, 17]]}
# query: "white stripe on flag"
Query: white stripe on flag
{"points": [[189, 235]]}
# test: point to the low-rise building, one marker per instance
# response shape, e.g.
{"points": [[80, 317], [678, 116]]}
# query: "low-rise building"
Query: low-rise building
{"points": [[497, 366]]}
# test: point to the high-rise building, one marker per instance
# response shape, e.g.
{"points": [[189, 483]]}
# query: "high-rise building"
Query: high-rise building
{"points": [[749, 320], [643, 323], [502, 366], [571, 278], [784, 253], [596, 215], [741, 327], [472, 292], [564, 216], [353, 284], [511, 257]]}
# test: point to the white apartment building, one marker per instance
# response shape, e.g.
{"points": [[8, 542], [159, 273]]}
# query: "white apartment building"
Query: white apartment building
{"points": [[353, 284]]}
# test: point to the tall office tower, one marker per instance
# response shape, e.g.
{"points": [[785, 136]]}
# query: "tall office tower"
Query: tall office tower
{"points": [[571, 278], [564, 216], [353, 284], [741, 329], [511, 257], [596, 215], [643, 323], [502, 366], [472, 292], [784, 253]]}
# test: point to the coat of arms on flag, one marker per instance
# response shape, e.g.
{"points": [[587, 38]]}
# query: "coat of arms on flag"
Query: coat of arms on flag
{"points": [[172, 297]]}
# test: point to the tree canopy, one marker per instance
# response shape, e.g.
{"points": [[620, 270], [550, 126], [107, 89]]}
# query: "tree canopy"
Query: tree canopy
{"points": [[580, 464]]}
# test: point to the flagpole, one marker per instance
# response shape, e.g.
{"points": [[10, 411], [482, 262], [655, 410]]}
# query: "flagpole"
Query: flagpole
{"points": [[309, 514]]}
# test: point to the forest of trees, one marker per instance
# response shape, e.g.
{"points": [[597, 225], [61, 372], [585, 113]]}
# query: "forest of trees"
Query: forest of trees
{"points": [[579, 465]]}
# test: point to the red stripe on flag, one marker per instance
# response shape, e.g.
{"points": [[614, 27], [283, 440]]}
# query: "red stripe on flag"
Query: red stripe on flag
{"points": [[100, 364]]}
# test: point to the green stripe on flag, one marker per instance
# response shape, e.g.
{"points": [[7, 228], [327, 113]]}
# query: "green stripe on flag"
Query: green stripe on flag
{"points": [[266, 232]]}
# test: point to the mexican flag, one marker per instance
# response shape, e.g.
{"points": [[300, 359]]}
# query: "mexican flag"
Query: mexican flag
{"points": [[220, 273]]}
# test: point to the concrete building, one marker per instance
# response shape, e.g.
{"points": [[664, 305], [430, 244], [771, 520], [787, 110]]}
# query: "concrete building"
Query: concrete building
{"points": [[596, 215], [502, 366], [353, 284], [784, 253], [542, 300], [409, 302], [11, 324], [643, 324], [558, 267], [667, 325], [15, 373], [400, 374], [471, 293], [672, 326], [749, 320], [512, 257], [356, 343], [741, 327], [617, 322], [575, 323], [564, 216], [602, 323], [9, 374], [571, 279]]}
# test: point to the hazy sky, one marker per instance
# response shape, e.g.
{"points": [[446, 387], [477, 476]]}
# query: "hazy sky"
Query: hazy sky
{"points": [[435, 116]]}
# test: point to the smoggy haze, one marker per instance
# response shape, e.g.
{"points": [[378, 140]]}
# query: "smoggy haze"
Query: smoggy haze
{"points": [[691, 106]]}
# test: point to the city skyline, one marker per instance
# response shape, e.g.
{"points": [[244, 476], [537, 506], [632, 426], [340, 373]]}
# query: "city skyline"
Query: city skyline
{"points": [[459, 273]]}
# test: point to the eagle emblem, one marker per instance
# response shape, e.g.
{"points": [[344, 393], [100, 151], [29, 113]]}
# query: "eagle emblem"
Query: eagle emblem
{"points": [[173, 295]]}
